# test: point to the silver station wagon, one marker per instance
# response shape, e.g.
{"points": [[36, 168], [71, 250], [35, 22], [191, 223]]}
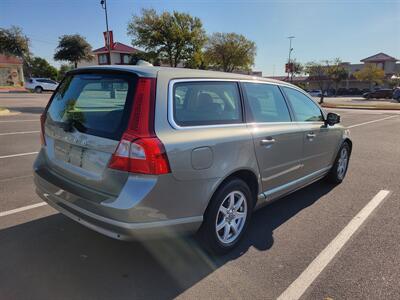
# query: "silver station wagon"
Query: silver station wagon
{"points": [[135, 152]]}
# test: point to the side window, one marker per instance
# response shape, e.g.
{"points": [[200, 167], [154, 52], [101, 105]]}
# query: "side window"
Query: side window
{"points": [[266, 103], [304, 109], [206, 103]]}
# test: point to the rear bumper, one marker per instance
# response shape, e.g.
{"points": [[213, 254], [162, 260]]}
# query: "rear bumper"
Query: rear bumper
{"points": [[106, 223]]}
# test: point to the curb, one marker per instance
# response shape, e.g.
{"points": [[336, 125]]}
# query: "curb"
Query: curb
{"points": [[4, 112], [7, 112], [371, 107]]}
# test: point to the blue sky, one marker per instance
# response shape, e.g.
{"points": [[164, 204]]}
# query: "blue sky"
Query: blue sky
{"points": [[324, 29]]}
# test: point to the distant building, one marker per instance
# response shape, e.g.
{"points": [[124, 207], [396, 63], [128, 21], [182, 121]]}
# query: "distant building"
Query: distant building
{"points": [[120, 54], [387, 63], [11, 71]]}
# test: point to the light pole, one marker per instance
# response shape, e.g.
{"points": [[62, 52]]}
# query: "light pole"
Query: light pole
{"points": [[104, 6], [290, 51]]}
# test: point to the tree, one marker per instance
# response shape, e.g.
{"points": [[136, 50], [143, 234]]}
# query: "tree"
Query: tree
{"points": [[73, 48], [14, 42], [39, 67], [230, 52], [370, 73], [175, 37], [394, 81], [337, 73], [63, 70], [297, 69], [198, 61], [150, 56], [320, 73]]}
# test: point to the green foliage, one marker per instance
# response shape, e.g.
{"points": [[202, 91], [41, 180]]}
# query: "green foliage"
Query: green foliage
{"points": [[337, 72], [175, 37], [151, 57], [370, 73], [198, 61], [39, 67], [14, 42], [230, 52], [394, 81], [63, 69], [73, 48], [325, 73], [298, 69]]}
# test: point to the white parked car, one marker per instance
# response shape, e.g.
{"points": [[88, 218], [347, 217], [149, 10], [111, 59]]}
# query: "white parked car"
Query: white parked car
{"points": [[317, 93], [41, 84]]}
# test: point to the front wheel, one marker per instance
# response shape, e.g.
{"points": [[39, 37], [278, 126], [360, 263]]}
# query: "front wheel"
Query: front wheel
{"points": [[339, 169], [227, 217], [38, 89]]}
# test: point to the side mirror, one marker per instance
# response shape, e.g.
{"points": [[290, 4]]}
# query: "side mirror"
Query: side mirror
{"points": [[332, 119]]}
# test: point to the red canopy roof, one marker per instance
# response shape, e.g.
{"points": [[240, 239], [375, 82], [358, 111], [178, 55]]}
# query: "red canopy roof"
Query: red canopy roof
{"points": [[4, 59], [117, 47]]}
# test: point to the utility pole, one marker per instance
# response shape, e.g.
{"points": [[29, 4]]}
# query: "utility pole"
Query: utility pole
{"points": [[104, 6], [290, 51]]}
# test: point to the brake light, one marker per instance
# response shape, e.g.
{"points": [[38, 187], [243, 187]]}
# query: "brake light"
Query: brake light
{"points": [[42, 123], [140, 151]]}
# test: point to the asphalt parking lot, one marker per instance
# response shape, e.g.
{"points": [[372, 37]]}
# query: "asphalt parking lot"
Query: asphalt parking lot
{"points": [[44, 255]]}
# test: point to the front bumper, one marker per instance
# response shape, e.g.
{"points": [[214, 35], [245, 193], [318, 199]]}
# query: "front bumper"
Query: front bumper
{"points": [[106, 222]]}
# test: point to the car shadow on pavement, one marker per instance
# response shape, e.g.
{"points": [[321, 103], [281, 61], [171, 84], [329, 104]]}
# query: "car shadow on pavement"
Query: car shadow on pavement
{"points": [[56, 258], [28, 109]]}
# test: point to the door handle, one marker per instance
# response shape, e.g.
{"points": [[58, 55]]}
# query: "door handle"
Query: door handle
{"points": [[311, 135], [267, 141]]}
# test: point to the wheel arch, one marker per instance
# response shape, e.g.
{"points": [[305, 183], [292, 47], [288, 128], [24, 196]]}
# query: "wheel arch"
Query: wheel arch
{"points": [[247, 175]]}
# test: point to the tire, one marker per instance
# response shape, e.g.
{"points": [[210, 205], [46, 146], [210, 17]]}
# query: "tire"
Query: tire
{"points": [[38, 89], [339, 169], [219, 213]]}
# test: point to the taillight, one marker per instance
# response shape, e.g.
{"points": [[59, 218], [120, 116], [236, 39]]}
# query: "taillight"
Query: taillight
{"points": [[140, 151], [42, 124]]}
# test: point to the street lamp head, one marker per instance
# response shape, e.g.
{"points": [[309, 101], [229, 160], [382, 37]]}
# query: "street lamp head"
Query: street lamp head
{"points": [[102, 3]]}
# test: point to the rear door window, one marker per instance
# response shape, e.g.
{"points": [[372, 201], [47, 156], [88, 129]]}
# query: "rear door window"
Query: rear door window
{"points": [[266, 103], [97, 104], [206, 103]]}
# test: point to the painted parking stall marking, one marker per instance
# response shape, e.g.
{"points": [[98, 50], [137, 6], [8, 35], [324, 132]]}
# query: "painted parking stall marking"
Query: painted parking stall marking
{"points": [[19, 154], [21, 209], [15, 121], [18, 132], [300, 285], [369, 122]]}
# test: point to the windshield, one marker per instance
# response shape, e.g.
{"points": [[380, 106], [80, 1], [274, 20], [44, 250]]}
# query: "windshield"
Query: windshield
{"points": [[96, 104]]}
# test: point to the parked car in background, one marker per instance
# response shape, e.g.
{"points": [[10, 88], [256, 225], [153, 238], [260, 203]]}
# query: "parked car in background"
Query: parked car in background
{"points": [[317, 93], [137, 151], [354, 91], [381, 93], [342, 92], [363, 91], [396, 94], [39, 85]]}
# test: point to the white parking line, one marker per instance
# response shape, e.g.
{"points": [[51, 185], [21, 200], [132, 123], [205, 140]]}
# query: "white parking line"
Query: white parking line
{"points": [[300, 285], [13, 121], [19, 132], [17, 210], [369, 122], [19, 154]]}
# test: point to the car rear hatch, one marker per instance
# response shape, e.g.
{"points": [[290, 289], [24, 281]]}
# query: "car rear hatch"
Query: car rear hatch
{"points": [[83, 124]]}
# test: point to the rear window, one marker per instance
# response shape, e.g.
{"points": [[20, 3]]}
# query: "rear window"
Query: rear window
{"points": [[206, 103], [96, 104]]}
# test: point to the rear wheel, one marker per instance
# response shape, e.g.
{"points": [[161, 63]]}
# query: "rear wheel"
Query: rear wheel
{"points": [[38, 89], [227, 217], [339, 169]]}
